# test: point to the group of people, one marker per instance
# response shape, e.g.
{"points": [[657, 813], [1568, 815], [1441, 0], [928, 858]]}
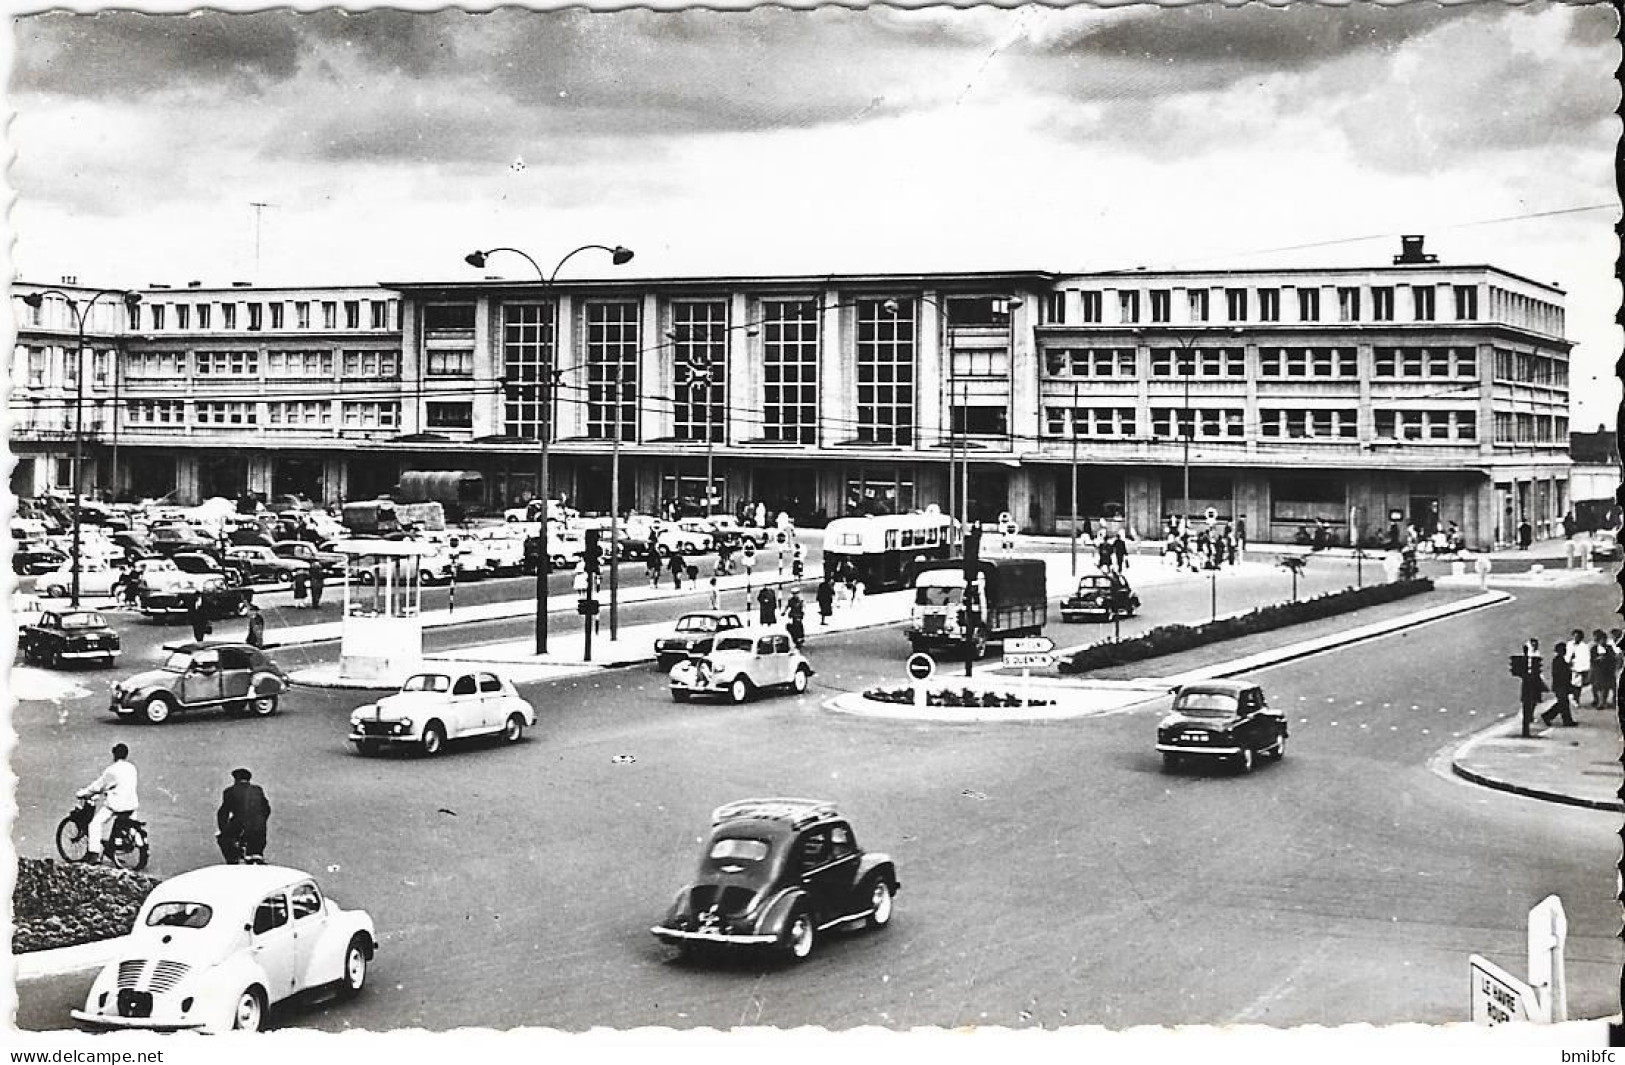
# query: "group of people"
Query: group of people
{"points": [[240, 821], [1577, 664], [1208, 548], [793, 611]]}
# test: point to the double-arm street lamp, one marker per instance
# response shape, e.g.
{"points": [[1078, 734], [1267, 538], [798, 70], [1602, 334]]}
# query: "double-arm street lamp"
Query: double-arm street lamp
{"points": [[81, 314], [619, 256]]}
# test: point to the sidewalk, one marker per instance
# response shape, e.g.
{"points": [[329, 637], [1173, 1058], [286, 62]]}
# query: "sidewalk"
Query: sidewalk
{"points": [[1577, 766]]}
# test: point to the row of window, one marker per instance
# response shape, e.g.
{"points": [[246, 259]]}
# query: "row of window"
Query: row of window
{"points": [[1264, 304], [296, 413], [1530, 368], [1304, 362], [274, 316], [1177, 423], [276, 364], [1531, 429]]}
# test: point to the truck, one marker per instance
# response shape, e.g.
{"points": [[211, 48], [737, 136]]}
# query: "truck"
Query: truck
{"points": [[458, 492], [1009, 597], [374, 517]]}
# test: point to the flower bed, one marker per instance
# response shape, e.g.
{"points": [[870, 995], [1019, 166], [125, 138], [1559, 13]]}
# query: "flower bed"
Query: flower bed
{"points": [[1172, 639], [58, 905], [955, 697]]}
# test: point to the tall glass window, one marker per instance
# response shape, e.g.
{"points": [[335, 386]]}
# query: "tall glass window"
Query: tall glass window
{"points": [[701, 344], [885, 372], [527, 355], [790, 371], [612, 370]]}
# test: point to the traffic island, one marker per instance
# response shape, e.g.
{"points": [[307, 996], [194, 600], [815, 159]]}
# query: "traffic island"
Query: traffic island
{"points": [[67, 917]]}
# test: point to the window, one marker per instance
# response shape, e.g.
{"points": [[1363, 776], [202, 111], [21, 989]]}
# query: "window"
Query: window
{"points": [[448, 318], [1308, 424], [155, 411], [203, 310], [228, 363], [228, 316], [371, 415], [1090, 362], [1128, 305], [1308, 362], [1422, 297], [1382, 303], [1055, 308], [1235, 304], [380, 314], [307, 901], [301, 315], [451, 362], [612, 370], [1090, 303], [330, 314], [1176, 422], [449, 415], [372, 365], [352, 314], [1090, 422], [885, 367], [313, 363], [256, 316], [183, 316], [277, 310], [1348, 304], [101, 367], [1199, 304], [790, 371], [158, 316], [169, 365], [1269, 305], [36, 367], [981, 364], [981, 420], [1161, 304], [298, 414], [1466, 362], [70, 366], [527, 354], [1430, 425], [271, 914], [215, 412], [1466, 302], [489, 683], [1308, 304]]}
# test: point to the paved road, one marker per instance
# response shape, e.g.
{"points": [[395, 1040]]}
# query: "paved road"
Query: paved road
{"points": [[1052, 874]]}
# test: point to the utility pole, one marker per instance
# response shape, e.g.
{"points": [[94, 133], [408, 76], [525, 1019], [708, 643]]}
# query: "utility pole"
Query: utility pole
{"points": [[1073, 421], [259, 211]]}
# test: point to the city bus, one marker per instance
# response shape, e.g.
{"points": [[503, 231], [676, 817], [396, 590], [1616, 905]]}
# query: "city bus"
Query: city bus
{"points": [[884, 550]]}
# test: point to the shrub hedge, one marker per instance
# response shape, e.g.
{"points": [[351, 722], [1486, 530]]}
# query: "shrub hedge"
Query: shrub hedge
{"points": [[1171, 639], [953, 697], [61, 905]]}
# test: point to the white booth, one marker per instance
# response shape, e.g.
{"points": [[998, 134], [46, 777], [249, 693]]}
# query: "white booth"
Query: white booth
{"points": [[383, 599]]}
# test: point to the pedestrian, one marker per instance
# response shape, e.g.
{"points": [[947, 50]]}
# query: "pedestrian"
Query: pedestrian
{"points": [[858, 588], [1526, 534], [1119, 552], [1241, 534], [796, 612], [116, 788], [678, 567], [1604, 670], [316, 582], [826, 600], [200, 620], [767, 605], [1616, 640], [761, 515], [256, 626], [241, 820], [1531, 686], [1579, 662], [1562, 686], [716, 595], [301, 581], [1103, 554]]}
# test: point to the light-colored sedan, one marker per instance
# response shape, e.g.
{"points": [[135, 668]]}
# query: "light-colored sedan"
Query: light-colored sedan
{"points": [[741, 663], [214, 949], [96, 577], [433, 707]]}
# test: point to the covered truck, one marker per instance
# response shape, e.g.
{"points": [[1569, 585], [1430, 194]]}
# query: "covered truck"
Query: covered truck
{"points": [[1008, 597]]}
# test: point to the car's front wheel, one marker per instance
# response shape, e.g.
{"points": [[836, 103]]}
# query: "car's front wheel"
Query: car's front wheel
{"points": [[739, 690], [799, 682], [880, 903], [249, 1016], [263, 705], [798, 938], [434, 739], [157, 709]]}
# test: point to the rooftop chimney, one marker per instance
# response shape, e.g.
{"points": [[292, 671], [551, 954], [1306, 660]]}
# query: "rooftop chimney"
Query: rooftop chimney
{"points": [[156, 284], [69, 279], [194, 284], [1410, 251]]}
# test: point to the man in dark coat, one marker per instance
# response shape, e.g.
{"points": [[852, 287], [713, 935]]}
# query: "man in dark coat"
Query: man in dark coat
{"points": [[796, 611], [316, 581], [1532, 687], [1562, 686], [244, 811], [767, 605], [1119, 552], [826, 600], [199, 619]]}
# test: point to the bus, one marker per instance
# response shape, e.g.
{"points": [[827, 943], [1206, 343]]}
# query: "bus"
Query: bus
{"points": [[884, 550]]}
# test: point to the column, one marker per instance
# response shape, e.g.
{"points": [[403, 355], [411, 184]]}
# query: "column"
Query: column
{"points": [[744, 376], [657, 375], [1026, 413], [411, 392], [837, 396], [930, 377], [488, 407], [570, 398]]}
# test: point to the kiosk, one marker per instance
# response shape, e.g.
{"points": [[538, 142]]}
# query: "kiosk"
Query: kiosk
{"points": [[383, 596]]}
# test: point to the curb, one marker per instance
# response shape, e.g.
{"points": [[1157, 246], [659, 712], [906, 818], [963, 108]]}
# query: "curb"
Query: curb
{"points": [[1484, 780], [37, 964]]}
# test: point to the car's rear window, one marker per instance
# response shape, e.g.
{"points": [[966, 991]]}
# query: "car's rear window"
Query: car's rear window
{"points": [[697, 624], [1206, 704], [738, 850], [179, 915], [734, 643], [86, 620]]}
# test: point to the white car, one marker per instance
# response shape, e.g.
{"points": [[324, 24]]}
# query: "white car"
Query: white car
{"points": [[163, 576], [740, 663], [432, 569], [216, 948], [505, 553], [691, 536], [727, 527], [96, 577], [433, 707]]}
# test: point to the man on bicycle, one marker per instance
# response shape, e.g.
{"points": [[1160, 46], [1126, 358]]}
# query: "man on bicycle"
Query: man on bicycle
{"points": [[244, 811], [116, 789]]}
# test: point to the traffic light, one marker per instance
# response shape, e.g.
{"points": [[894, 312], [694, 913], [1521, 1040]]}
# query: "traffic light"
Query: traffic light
{"points": [[590, 554], [972, 550]]}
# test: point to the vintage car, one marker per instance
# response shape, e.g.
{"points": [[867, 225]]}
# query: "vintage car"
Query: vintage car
{"points": [[437, 568], [214, 949], [689, 536], [727, 529], [693, 636], [267, 565], [220, 600], [234, 677], [504, 551], [165, 575], [1228, 719], [1605, 546], [36, 558], [778, 873], [1105, 596], [564, 548], [96, 577], [432, 708], [740, 663], [60, 636], [232, 571], [303, 551], [173, 539]]}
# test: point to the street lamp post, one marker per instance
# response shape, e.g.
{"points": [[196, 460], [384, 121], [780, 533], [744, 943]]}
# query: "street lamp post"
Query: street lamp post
{"points": [[81, 318], [618, 255], [1073, 421]]}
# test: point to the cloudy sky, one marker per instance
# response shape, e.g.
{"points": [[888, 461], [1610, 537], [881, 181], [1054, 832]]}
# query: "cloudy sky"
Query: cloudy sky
{"points": [[387, 144]]}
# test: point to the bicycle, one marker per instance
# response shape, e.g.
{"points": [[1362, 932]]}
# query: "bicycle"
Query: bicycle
{"points": [[127, 844]]}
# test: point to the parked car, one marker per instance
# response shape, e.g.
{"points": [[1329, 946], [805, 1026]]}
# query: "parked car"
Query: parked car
{"points": [[727, 529], [165, 575], [1100, 595], [96, 577], [1225, 719], [332, 562], [1605, 546], [776, 873], [691, 536], [693, 635], [173, 539], [267, 565], [232, 571], [741, 663], [220, 600], [216, 948], [504, 552], [434, 707], [432, 569], [33, 559], [564, 548], [64, 636], [211, 675]]}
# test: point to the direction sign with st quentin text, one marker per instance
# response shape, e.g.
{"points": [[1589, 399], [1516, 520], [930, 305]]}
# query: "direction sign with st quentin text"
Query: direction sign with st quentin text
{"points": [[1028, 645], [1025, 660]]}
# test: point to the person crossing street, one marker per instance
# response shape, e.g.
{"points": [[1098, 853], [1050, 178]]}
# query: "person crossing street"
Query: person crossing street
{"points": [[242, 819]]}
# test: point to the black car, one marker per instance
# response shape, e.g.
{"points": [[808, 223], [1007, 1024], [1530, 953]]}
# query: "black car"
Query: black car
{"points": [[776, 873], [69, 636], [171, 540], [694, 635], [32, 561], [1221, 719], [1100, 595]]}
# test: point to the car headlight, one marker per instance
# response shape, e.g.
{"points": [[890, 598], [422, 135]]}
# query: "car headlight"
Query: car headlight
{"points": [[406, 722]]}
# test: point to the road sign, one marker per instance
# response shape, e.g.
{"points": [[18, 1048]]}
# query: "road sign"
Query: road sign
{"points": [[1498, 996], [920, 667], [1028, 661], [1028, 645]]}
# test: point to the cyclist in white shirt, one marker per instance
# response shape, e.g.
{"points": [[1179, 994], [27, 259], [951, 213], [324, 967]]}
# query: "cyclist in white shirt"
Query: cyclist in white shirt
{"points": [[116, 790]]}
